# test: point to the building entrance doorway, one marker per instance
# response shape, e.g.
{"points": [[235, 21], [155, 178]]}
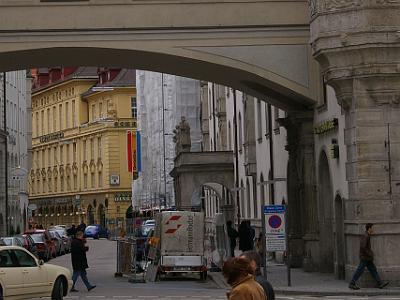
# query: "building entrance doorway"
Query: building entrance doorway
{"points": [[102, 215]]}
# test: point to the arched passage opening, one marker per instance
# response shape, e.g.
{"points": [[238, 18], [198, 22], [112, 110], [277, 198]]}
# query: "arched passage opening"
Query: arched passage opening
{"points": [[101, 215], [325, 200], [217, 203]]}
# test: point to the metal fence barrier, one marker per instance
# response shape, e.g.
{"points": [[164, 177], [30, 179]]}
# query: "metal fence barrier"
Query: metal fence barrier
{"points": [[132, 258]]}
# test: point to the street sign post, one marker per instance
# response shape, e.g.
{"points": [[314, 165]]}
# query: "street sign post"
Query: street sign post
{"points": [[276, 232]]}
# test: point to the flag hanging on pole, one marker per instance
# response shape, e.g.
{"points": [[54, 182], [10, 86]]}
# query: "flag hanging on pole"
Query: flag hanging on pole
{"points": [[129, 150], [134, 152]]}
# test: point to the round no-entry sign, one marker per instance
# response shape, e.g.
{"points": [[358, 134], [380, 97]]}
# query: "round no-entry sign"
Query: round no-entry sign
{"points": [[275, 221]]}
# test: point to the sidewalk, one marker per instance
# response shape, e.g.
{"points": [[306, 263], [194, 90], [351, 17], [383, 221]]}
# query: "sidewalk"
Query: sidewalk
{"points": [[306, 283]]}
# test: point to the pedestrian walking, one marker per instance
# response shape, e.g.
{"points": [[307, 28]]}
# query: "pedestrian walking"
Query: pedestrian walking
{"points": [[79, 261], [255, 263], [233, 235], [366, 261], [245, 236], [239, 275]]}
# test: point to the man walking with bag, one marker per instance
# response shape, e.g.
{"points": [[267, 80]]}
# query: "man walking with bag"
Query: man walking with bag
{"points": [[79, 261], [366, 261]]}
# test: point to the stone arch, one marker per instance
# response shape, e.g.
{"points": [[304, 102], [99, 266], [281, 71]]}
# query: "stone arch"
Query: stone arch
{"points": [[325, 200], [195, 169]]}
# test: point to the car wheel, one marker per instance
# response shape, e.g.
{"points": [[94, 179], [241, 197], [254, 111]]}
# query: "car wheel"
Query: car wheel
{"points": [[1, 293], [203, 275], [58, 290]]}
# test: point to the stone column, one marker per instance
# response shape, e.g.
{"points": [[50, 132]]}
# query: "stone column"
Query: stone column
{"points": [[302, 202], [358, 46]]}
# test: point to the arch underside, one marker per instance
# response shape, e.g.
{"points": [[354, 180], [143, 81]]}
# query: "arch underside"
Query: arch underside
{"points": [[279, 74]]}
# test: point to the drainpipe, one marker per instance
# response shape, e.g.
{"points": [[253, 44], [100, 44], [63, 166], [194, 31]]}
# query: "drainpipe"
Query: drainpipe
{"points": [[5, 150], [236, 156], [271, 155]]}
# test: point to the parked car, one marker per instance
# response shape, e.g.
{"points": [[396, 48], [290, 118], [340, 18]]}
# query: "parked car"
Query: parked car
{"points": [[60, 250], [28, 243], [46, 239], [23, 276], [42, 248], [64, 235], [12, 241], [96, 232]]}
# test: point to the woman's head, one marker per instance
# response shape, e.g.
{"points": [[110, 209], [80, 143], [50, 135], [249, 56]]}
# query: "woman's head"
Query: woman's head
{"points": [[236, 268]]}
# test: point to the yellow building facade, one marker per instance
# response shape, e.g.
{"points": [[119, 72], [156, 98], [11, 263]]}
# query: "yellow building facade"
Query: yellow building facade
{"points": [[79, 172]]}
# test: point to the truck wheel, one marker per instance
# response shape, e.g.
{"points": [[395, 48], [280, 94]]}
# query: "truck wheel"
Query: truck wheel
{"points": [[203, 275]]}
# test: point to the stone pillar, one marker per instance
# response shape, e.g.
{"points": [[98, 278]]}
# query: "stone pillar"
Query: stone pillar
{"points": [[358, 46], [302, 202]]}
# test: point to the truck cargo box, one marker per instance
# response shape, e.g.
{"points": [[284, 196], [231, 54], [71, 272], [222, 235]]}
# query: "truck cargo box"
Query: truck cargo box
{"points": [[181, 233]]}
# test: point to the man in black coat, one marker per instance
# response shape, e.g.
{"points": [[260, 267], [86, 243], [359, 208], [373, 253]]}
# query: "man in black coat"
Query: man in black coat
{"points": [[255, 262], [79, 261], [233, 235], [366, 261]]}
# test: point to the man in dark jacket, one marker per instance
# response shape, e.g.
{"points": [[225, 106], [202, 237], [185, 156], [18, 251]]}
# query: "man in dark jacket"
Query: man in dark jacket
{"points": [[366, 260], [255, 262], [233, 235], [79, 261]]}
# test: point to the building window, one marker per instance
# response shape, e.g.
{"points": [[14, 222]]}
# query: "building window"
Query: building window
{"points": [[240, 129], [100, 179], [84, 150], [60, 117], [49, 157], [73, 114], [42, 122], [85, 181], [43, 162], [75, 182], [92, 179], [91, 149], [48, 120], [54, 119], [37, 124], [66, 115], [101, 110], [55, 156], [262, 189], [68, 183], [61, 154], [93, 112], [259, 121], [229, 136], [134, 107], [62, 184], [49, 185], [99, 147], [55, 184], [68, 155], [74, 152]]}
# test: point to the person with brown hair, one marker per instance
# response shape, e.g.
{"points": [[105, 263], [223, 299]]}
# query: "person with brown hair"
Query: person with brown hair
{"points": [[239, 274]]}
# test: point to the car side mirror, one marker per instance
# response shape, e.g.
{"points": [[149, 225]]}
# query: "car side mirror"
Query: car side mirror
{"points": [[41, 262]]}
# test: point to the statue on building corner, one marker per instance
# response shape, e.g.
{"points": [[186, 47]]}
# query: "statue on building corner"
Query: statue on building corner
{"points": [[182, 137]]}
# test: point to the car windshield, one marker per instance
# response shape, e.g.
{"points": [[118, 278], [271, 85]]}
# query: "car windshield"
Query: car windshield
{"points": [[91, 228], [38, 237], [8, 241], [61, 232]]}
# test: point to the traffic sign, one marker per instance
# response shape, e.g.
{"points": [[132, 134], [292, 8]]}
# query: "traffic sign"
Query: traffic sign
{"points": [[275, 227]]}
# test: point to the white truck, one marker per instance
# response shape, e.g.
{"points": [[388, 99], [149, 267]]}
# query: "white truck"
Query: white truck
{"points": [[181, 242]]}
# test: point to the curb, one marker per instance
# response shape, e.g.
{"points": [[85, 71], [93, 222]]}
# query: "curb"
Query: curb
{"points": [[216, 278]]}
